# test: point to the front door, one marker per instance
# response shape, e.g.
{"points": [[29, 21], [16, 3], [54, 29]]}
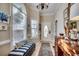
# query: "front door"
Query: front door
{"points": [[46, 32]]}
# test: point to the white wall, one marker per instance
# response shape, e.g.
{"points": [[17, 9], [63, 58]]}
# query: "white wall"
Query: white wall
{"points": [[32, 14], [60, 19], [78, 25], [5, 35]]}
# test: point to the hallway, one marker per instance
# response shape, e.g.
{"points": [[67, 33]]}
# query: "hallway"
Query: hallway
{"points": [[37, 29], [45, 50]]}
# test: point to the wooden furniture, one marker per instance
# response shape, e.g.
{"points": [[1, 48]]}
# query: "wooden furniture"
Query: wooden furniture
{"points": [[63, 48]]}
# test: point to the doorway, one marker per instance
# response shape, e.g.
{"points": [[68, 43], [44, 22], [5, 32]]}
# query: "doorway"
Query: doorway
{"points": [[45, 31]]}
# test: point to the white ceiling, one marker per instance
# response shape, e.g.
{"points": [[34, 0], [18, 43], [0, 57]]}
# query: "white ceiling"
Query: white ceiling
{"points": [[52, 8]]}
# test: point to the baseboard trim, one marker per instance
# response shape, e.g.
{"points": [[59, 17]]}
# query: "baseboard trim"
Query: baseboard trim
{"points": [[4, 42]]}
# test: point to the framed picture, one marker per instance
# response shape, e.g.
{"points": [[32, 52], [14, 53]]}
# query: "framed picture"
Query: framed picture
{"points": [[3, 26], [3, 21]]}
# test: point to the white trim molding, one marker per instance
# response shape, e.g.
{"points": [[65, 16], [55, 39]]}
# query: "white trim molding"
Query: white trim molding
{"points": [[46, 14], [4, 42]]}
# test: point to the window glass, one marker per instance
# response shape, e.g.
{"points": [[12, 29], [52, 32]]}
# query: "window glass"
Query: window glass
{"points": [[45, 31], [19, 23], [34, 28]]}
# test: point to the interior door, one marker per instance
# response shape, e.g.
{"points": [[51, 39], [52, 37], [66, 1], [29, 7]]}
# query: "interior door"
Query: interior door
{"points": [[46, 31]]}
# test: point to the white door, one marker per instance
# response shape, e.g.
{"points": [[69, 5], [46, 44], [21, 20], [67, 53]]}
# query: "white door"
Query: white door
{"points": [[46, 31]]}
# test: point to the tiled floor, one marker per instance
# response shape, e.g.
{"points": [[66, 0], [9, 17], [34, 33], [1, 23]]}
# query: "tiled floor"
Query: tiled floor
{"points": [[53, 52], [38, 46], [37, 49], [45, 50]]}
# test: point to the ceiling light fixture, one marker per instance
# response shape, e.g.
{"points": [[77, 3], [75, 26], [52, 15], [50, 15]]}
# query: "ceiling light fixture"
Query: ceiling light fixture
{"points": [[42, 6]]}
